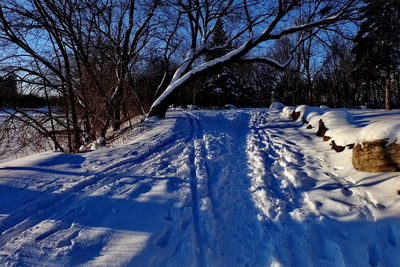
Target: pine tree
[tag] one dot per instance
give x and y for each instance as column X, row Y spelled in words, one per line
column 378, row 43
column 219, row 39
column 223, row 84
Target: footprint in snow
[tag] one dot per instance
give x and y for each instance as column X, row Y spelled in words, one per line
column 374, row 257
column 164, row 239
column 392, row 240
column 346, row 191
column 142, row 189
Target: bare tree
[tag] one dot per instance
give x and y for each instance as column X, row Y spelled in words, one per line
column 257, row 23
column 83, row 51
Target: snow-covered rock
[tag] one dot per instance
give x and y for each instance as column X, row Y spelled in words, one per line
column 299, row 112
column 94, row 146
column 83, row 148
column 325, row 108
column 98, row 144
column 230, row 106
column 376, row 156
column 287, row 112
column 343, row 135
column 192, row 107
column 388, row 130
column 276, row 106
column 340, row 127
column 310, row 112
column 313, row 119
column 337, row 118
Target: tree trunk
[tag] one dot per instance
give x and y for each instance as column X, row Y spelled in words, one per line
column 161, row 109
column 388, row 100
column 75, row 127
column 116, row 112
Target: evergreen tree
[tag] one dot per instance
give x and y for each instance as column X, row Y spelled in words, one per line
column 378, row 43
column 223, row 85
column 219, row 39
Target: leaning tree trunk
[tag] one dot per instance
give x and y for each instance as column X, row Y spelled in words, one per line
column 161, row 108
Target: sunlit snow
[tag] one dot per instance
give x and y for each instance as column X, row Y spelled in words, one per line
column 237, row 187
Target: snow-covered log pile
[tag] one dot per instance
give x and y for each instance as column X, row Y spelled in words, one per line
column 376, row 147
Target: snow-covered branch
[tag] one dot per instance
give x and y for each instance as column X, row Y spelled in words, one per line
column 266, row 60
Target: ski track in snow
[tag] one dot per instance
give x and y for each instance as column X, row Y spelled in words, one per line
column 210, row 188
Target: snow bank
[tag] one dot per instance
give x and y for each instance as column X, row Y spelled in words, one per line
column 277, row 106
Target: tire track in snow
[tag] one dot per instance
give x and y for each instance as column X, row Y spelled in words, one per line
column 230, row 232
column 199, row 250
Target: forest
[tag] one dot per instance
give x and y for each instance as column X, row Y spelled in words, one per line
column 92, row 65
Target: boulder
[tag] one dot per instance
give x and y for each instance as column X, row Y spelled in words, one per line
column 336, row 147
column 321, row 129
column 287, row 113
column 376, row 156
column 277, row 106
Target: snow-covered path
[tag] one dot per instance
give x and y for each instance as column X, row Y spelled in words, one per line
column 200, row 188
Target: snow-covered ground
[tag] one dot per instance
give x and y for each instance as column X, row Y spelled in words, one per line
column 202, row 188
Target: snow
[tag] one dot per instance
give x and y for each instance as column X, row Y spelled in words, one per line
column 344, row 130
column 337, row 118
column 306, row 112
column 310, row 112
column 385, row 129
column 237, row 187
column 83, row 148
column 287, row 111
column 313, row 119
column 230, row 106
column 301, row 109
column 325, row 108
column 277, row 106
column 344, row 135
column 340, row 126
column 192, row 107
